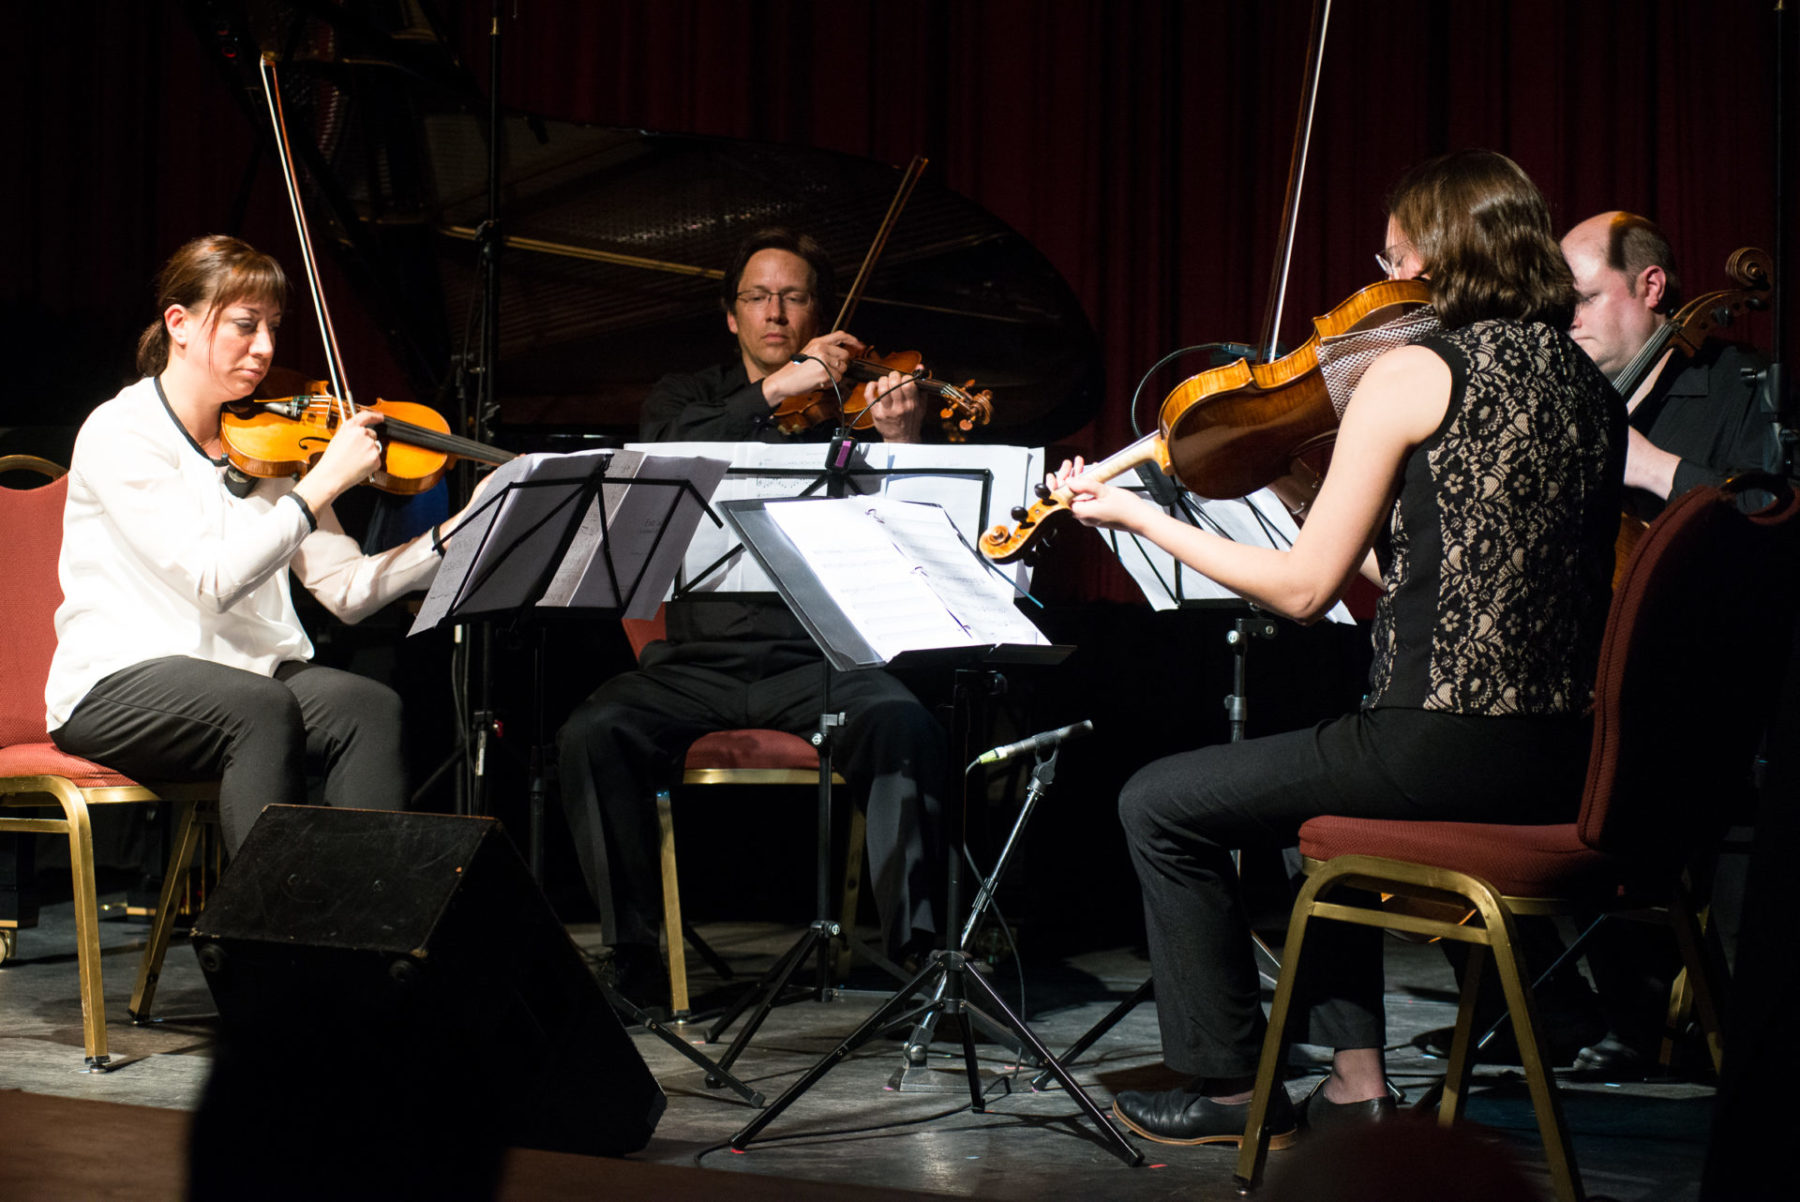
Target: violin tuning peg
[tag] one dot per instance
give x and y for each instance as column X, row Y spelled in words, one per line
column 1042, row 490
column 1020, row 514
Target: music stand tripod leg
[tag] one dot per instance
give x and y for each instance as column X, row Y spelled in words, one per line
column 716, row 1075
column 818, row 937
column 1099, row 1029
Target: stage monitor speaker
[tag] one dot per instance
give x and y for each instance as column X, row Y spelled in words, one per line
column 397, row 983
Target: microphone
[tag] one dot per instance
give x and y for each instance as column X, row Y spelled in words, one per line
column 1038, row 742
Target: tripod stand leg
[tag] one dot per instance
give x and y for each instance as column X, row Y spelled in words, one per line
column 715, row 1075
column 1095, row 1032
column 878, row 1021
column 1113, row 1139
column 817, row 939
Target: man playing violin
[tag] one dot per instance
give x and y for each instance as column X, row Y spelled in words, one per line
column 1694, row 422
column 732, row 663
column 179, row 655
column 777, row 297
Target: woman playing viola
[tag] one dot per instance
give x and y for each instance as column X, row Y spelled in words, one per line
column 179, row 654
column 1481, row 467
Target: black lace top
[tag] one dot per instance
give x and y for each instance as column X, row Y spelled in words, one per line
column 1496, row 562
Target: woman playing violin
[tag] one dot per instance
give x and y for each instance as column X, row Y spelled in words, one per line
column 179, row 654
column 1481, row 467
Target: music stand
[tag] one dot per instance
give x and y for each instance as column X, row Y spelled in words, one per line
column 927, row 572
column 596, row 533
column 965, row 481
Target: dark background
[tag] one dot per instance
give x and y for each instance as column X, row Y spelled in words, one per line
column 1142, row 147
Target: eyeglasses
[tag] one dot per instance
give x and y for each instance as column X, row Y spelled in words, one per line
column 1390, row 257
column 793, row 298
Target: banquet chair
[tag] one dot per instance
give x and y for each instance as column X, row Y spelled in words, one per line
column 733, row 757
column 1689, row 672
column 35, row 775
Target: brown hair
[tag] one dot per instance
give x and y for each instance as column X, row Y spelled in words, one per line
column 777, row 238
column 1634, row 243
column 1483, row 234
column 209, row 273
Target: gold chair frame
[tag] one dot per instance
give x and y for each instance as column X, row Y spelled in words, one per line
column 1489, row 931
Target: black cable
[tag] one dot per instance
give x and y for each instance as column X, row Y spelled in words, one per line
column 1236, row 350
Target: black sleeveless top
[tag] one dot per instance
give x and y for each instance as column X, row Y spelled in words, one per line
column 1497, row 559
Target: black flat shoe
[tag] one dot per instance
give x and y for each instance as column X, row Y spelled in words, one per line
column 1180, row 1117
column 1317, row 1112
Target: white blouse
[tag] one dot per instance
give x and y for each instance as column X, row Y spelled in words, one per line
column 159, row 559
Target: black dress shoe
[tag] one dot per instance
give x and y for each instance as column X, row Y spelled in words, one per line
column 1613, row 1059
column 1317, row 1112
column 1180, row 1117
column 1503, row 1048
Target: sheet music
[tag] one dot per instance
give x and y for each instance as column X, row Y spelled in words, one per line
column 641, row 529
column 468, row 540
column 1012, row 470
column 1258, row 520
column 495, row 561
column 903, row 574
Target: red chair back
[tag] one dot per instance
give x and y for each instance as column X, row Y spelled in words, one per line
column 641, row 632
column 1699, row 632
column 31, row 531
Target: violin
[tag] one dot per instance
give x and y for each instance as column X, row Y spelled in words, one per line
column 1751, row 270
column 1230, row 430
column 961, row 410
column 284, row 436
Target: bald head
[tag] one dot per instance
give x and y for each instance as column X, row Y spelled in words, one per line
column 1625, row 282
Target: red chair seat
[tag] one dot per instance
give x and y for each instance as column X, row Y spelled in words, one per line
column 732, row 749
column 1519, row 861
column 46, row 759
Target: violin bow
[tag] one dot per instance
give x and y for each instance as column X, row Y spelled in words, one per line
column 908, row 181
column 334, row 363
column 1309, row 93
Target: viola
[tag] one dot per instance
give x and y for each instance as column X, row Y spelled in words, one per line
column 284, row 436
column 961, row 409
column 1230, row 430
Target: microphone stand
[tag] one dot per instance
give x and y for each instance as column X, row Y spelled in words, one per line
column 951, row 971
column 1043, row 775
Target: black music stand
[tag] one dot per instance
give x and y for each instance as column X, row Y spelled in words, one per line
column 598, row 534
column 846, row 472
column 848, row 646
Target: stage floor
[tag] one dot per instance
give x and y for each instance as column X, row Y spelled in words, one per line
column 1636, row 1142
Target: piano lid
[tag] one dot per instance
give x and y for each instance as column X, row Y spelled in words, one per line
column 616, row 239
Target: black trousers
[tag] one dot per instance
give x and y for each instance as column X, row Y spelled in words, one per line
column 179, row 718
column 628, row 740
column 1183, row 815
